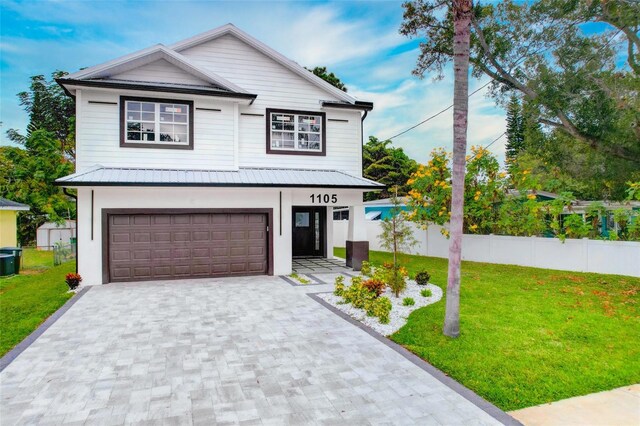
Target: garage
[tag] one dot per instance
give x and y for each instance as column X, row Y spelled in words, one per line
column 159, row 245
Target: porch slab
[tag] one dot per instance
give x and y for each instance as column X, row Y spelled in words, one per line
column 320, row 265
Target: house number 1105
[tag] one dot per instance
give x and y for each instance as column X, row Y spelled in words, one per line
column 324, row 198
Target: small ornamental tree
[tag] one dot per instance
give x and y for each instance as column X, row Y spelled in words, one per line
column 396, row 235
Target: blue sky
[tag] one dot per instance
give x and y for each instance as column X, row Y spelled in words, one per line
column 359, row 41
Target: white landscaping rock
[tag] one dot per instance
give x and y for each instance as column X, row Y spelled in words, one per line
column 399, row 313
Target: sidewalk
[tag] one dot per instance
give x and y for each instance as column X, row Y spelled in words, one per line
column 618, row 407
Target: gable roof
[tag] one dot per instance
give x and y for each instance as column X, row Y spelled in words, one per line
column 102, row 74
column 266, row 50
column 12, row 205
column 104, row 71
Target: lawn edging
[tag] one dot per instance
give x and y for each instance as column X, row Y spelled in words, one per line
column 27, row 341
column 460, row 389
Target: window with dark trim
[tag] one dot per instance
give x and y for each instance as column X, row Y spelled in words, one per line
column 296, row 132
column 156, row 123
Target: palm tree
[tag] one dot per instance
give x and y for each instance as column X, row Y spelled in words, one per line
column 462, row 10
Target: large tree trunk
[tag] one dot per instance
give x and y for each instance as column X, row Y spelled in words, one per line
column 461, row 40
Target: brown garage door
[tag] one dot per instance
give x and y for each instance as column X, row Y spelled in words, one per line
column 168, row 246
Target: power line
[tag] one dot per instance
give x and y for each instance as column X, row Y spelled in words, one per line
column 489, row 82
column 495, row 140
column 438, row 113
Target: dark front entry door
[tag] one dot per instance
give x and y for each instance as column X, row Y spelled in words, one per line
column 309, row 231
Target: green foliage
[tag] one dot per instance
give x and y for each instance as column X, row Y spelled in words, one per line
column 426, row 292
column 573, row 80
column 408, row 301
column 515, row 130
column 386, row 164
column 485, row 189
column 633, row 191
column 397, row 281
column 50, row 109
column 423, row 277
column 365, row 269
column 301, row 280
column 329, row 77
column 563, row 333
column 27, row 176
column 379, row 307
column 358, row 295
column 26, row 300
column 375, row 286
column 339, row 285
column 47, row 153
column 396, row 234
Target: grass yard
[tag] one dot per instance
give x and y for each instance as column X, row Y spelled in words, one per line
column 529, row 336
column 26, row 300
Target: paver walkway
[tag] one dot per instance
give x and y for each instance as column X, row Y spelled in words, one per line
column 620, row 407
column 225, row 351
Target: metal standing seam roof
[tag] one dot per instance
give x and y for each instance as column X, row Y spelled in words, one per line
column 12, row 205
column 247, row 177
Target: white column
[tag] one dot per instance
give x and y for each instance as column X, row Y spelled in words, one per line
column 357, row 227
column 329, row 232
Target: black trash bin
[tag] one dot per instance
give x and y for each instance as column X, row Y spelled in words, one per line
column 7, row 264
column 15, row 252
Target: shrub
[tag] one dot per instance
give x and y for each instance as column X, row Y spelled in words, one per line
column 423, row 277
column 300, row 279
column 357, row 294
column 426, row 292
column 339, row 285
column 380, row 307
column 397, row 282
column 73, row 280
column 375, row 285
column 408, row 301
column 365, row 269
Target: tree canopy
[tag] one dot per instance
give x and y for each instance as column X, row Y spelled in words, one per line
column 329, row 77
column 572, row 80
column 386, row 164
column 46, row 152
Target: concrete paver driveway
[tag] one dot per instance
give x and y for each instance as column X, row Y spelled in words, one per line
column 225, row 351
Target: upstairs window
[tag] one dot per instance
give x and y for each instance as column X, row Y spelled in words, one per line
column 295, row 132
column 156, row 123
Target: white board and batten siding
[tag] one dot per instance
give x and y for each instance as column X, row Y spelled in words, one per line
column 215, row 138
column 278, row 87
column 98, row 135
column 160, row 70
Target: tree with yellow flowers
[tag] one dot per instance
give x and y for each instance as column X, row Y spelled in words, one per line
column 485, row 190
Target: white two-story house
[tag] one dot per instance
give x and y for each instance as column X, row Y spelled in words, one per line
column 215, row 156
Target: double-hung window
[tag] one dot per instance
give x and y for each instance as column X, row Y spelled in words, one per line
column 295, row 132
column 156, row 123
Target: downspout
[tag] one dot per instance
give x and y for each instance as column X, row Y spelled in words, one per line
column 362, row 143
column 66, row 192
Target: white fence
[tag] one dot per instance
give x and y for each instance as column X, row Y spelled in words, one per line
column 584, row 255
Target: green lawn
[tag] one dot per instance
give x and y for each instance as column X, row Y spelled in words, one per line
column 26, row 300
column 529, row 336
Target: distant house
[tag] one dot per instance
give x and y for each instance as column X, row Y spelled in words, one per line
column 581, row 207
column 50, row 233
column 373, row 210
column 8, row 225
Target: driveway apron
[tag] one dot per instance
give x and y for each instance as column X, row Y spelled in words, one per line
column 251, row 350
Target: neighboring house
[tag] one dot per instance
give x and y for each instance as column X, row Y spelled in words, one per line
column 581, row 207
column 50, row 233
column 215, row 156
column 374, row 210
column 8, row 222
